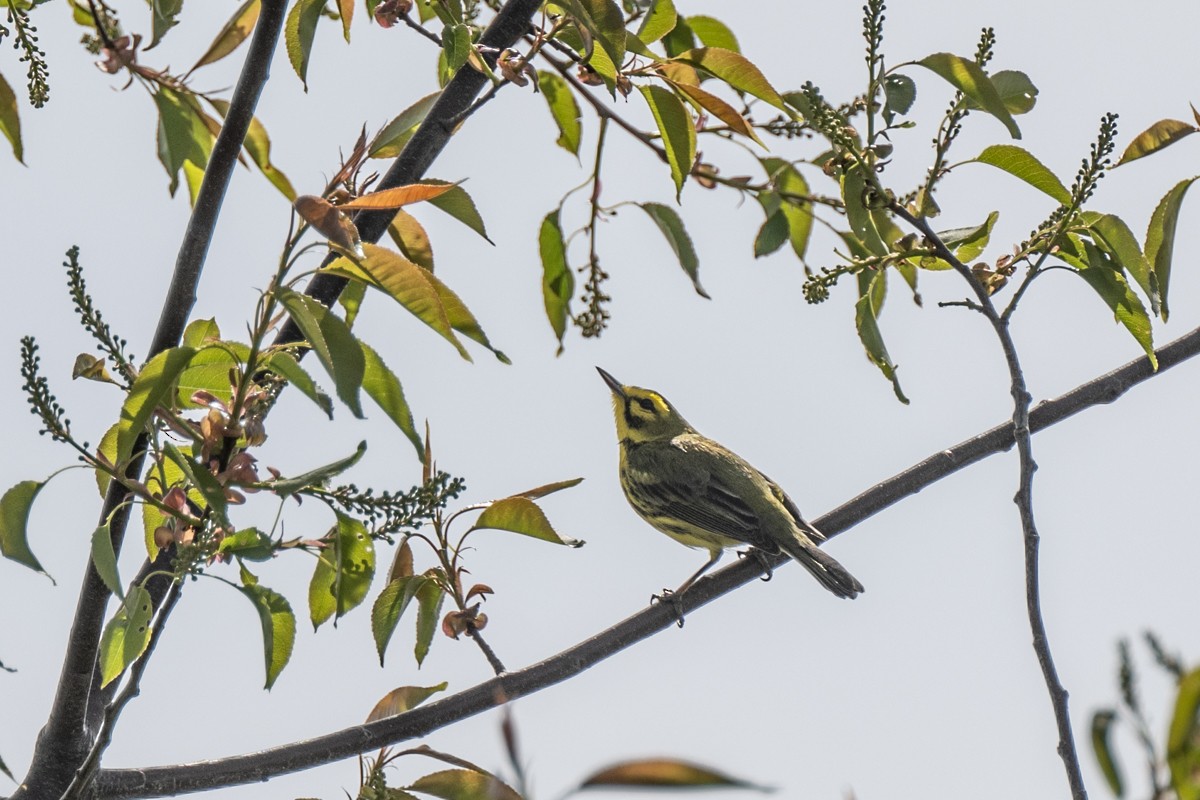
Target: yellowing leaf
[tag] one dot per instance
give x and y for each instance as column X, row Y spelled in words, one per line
column 14, row 522
column 736, row 70
column 235, row 31
column 463, row 784
column 382, row 386
column 663, row 772
column 334, row 344
column 719, row 109
column 126, row 635
column 298, row 30
column 521, row 515
column 564, row 109
column 344, row 572
column 1163, row 133
column 397, row 701
column 10, row 120
column 391, row 140
column 677, row 129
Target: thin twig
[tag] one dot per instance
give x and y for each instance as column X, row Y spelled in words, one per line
column 118, row 784
column 488, row 653
column 1024, row 500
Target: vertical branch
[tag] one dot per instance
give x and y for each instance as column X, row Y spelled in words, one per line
column 70, row 729
column 1023, row 499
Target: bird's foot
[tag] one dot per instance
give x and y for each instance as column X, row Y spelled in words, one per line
column 672, row 597
column 763, row 561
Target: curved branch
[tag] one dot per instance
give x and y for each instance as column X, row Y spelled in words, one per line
column 117, row 784
column 68, row 734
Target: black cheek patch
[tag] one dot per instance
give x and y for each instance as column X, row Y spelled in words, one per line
column 631, row 420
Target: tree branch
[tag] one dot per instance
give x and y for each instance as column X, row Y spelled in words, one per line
column 117, row 784
column 70, row 729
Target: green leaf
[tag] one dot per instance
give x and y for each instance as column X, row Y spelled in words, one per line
column 1102, row 746
column 210, row 490
column 200, row 332
column 899, row 93
column 14, row 524
column 1104, row 276
column 10, row 120
column 382, row 386
column 854, row 189
column 1161, row 134
column 549, row 488
column 456, row 44
column 344, row 572
column 1021, row 164
column 679, row 40
column 969, row 243
column 258, row 146
column 107, row 449
column 278, row 627
column 286, row 366
column 664, row 772
column 671, row 225
column 208, row 370
column 104, row 559
column 1115, row 238
column 429, row 610
column 1017, row 92
column 411, row 238
column 317, row 477
column 966, row 76
column 1183, row 743
column 788, row 180
column 713, row 33
column 334, row 345
column 564, row 109
column 458, row 204
column 236, row 30
column 298, row 31
column 604, row 20
column 391, row 140
column 1160, row 237
column 164, row 16
column 126, row 635
column 154, row 385
column 558, row 280
column 464, row 784
column 183, row 136
column 406, row 698
column 4, row 768
column 390, row 606
column 736, row 70
column 719, row 109
column 658, row 22
column 249, row 543
column 772, row 235
column 521, row 515
column 677, row 129
column 868, row 332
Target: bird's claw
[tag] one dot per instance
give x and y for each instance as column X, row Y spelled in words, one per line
column 762, row 560
column 672, row 597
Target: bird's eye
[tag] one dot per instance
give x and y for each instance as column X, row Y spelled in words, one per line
column 646, row 404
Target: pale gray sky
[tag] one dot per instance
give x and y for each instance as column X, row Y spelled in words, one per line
column 925, row 686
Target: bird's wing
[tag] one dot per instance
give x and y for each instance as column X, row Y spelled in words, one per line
column 684, row 485
column 794, row 510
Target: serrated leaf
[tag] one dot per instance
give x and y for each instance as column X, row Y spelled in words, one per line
column 250, row 544
column 872, row 339
column 317, row 477
column 1021, row 164
column 1161, row 134
column 334, row 345
column 126, row 635
column 558, row 279
column 286, row 366
column 183, row 135
column 736, row 70
column 390, row 606
column 10, row 120
column 382, row 386
column 521, row 515
column 258, row 146
column 299, row 29
column 397, row 701
column 1160, row 238
column 387, row 199
column 464, row 784
column 391, row 140
column 411, row 238
column 604, row 20
column 456, row 44
column 671, row 225
column 232, row 34
column 208, row 370
column 1183, row 752
column 1117, row 240
column 344, row 572
column 14, row 524
column 660, row 20
column 1102, row 746
column 564, row 109
column 164, row 16
column 713, row 33
column 719, row 109
column 677, row 129
column 664, row 772
column 278, row 627
column 458, row 204
column 154, row 385
column 104, row 559
column 200, row 332
column 967, row 76
column 429, row 609
column 1103, row 276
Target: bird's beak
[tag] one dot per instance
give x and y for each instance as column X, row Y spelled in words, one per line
column 613, row 383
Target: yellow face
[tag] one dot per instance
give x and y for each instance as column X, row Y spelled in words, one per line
column 642, row 415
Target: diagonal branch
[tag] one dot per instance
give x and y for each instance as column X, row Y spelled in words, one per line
column 118, row 784
column 68, row 734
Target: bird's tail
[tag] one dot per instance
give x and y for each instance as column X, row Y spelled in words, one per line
column 824, row 567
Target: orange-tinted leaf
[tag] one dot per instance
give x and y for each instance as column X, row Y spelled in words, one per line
column 330, row 222
column 398, row 196
column 411, row 239
column 664, row 772
column 719, row 109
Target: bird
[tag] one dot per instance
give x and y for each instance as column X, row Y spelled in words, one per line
column 704, row 495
